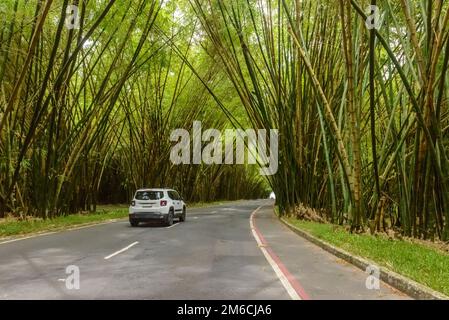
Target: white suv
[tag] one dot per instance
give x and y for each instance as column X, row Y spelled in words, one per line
column 156, row 205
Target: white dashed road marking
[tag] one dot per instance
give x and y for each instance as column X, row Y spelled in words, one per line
column 121, row 251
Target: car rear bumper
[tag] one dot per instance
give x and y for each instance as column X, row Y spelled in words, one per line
column 147, row 216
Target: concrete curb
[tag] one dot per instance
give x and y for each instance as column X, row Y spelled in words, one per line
column 403, row 284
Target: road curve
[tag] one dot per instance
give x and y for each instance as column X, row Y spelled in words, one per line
column 219, row 253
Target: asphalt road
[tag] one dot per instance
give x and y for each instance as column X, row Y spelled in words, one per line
column 221, row 252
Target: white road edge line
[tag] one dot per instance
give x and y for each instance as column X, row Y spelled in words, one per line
column 121, row 251
column 288, row 287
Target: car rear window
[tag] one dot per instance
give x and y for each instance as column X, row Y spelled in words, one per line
column 149, row 195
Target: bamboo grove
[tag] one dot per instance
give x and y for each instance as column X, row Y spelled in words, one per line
column 85, row 111
column 362, row 112
column 362, row 109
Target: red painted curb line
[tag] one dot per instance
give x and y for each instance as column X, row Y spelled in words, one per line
column 291, row 279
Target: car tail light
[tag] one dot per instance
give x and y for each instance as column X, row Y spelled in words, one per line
column 163, row 203
column 133, row 203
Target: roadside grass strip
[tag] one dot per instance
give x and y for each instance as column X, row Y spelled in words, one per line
column 421, row 263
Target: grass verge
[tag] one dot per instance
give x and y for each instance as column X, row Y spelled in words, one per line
column 10, row 227
column 423, row 264
column 208, row 204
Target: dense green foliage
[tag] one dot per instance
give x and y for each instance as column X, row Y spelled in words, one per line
column 362, row 112
column 85, row 114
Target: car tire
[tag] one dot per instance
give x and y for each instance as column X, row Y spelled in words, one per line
column 134, row 223
column 182, row 218
column 170, row 217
